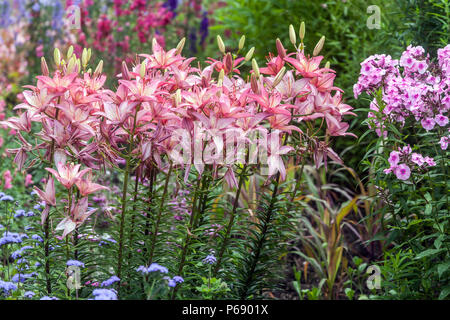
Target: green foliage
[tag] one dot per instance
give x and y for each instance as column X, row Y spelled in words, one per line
column 415, row 213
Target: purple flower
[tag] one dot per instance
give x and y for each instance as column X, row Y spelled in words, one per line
column 153, row 268
column 210, row 259
column 105, row 294
column 428, row 123
column 394, row 158
column 110, row 281
column 75, row 263
column 48, row 298
column 7, row 286
column 402, row 172
column 6, row 198
column 29, row 294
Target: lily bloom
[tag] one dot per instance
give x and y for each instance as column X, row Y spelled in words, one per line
column 307, row 67
column 274, row 65
column 86, row 186
column 49, row 194
column 78, row 215
column 68, row 174
column 58, row 85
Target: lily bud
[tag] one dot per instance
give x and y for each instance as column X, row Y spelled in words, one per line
column 279, row 77
column 254, row 84
column 221, row 76
column 241, row 42
column 221, row 44
column 125, row 72
column 154, row 44
column 89, row 54
column 84, row 58
column 44, row 67
column 69, row 52
column 249, row 54
column 71, row 64
column 255, row 68
column 180, row 45
column 302, row 31
column 319, row 46
column 280, row 49
column 327, row 65
column 177, row 97
column 77, row 68
column 229, row 62
column 99, row 69
column 143, row 69
column 57, row 56
column 292, row 35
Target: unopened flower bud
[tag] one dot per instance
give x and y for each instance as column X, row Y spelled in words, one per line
column 180, row 46
column 57, row 56
column 89, row 54
column 71, row 64
column 241, row 42
column 125, row 72
column 292, row 35
column 280, row 49
column 255, row 68
column 44, row 67
column 254, row 84
column 327, row 65
column 302, row 31
column 154, row 44
column 319, row 46
column 84, row 58
column 249, row 54
column 221, row 76
column 143, row 68
column 99, row 69
column 77, row 67
column 229, row 62
column 70, row 52
column 221, row 44
column 279, row 77
column 178, row 97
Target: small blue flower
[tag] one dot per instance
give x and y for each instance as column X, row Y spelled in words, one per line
column 105, row 294
column 153, row 268
column 172, row 283
column 19, row 213
column 6, row 198
column 178, row 279
column 37, row 238
column 210, row 259
column 110, row 281
column 75, row 263
column 29, row 294
column 48, row 298
column 7, row 286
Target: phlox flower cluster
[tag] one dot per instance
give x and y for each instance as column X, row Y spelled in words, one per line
column 413, row 88
column 404, row 159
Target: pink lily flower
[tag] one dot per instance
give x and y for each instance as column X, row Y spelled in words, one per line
column 78, row 215
column 68, row 174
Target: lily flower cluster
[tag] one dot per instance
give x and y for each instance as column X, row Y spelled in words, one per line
column 164, row 99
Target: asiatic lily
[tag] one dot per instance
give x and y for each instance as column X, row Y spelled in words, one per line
column 68, row 174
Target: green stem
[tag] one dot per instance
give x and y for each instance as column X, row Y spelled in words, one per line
column 124, row 198
column 188, row 236
column 262, row 238
column 158, row 219
column 232, row 218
